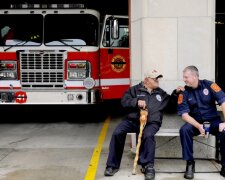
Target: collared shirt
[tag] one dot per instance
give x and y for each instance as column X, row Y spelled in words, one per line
column 200, row 102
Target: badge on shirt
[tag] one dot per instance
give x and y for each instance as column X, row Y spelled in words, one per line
column 158, row 97
column 215, row 87
column 180, row 99
column 205, row 91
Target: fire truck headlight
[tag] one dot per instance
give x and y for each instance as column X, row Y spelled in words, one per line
column 78, row 69
column 8, row 70
column 89, row 83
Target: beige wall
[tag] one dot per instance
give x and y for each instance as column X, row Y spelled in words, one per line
column 168, row 35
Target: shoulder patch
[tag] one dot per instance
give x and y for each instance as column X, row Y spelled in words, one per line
column 215, row 87
column 180, row 99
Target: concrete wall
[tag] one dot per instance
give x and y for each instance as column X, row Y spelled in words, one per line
column 168, row 35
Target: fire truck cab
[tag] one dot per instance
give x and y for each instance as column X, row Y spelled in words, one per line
column 62, row 54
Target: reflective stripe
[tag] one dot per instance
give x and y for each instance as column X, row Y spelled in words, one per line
column 113, row 82
column 74, row 83
column 104, row 82
column 79, row 83
column 6, row 83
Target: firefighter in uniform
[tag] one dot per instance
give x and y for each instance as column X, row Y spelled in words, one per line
column 196, row 105
column 146, row 94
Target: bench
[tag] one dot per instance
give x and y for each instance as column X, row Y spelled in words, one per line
column 161, row 132
column 169, row 135
column 203, row 147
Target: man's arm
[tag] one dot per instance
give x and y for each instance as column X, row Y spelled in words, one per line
column 171, row 106
column 222, row 125
column 219, row 96
column 128, row 100
column 187, row 118
column 223, row 109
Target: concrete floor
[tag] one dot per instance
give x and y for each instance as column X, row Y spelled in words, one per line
column 62, row 151
column 46, row 151
column 166, row 169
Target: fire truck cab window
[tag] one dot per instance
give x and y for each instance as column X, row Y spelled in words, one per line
column 21, row 30
column 71, row 30
column 123, row 39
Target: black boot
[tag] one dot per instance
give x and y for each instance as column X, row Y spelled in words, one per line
column 222, row 172
column 190, row 169
column 149, row 173
column 110, row 171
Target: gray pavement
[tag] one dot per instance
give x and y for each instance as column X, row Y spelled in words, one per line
column 62, row 151
column 166, row 169
column 48, row 151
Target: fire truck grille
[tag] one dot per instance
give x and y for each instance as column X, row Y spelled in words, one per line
column 42, row 70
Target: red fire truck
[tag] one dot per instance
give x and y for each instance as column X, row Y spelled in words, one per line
column 62, row 54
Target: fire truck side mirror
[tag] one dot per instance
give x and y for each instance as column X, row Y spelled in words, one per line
column 114, row 29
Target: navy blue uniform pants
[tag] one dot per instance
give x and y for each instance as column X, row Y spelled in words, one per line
column 187, row 132
column 147, row 149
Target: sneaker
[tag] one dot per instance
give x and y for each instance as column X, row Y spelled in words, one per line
column 110, row 171
column 149, row 173
column 222, row 172
column 190, row 169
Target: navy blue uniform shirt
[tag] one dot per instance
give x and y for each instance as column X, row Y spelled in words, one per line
column 157, row 101
column 200, row 103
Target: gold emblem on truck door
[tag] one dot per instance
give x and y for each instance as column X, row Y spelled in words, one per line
column 118, row 63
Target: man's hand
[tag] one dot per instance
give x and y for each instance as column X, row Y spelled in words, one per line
column 221, row 127
column 141, row 104
column 201, row 130
column 179, row 89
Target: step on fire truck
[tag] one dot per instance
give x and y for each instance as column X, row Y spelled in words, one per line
column 62, row 54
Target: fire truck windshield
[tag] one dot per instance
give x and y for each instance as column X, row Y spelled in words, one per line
column 70, row 30
column 59, row 30
column 21, row 29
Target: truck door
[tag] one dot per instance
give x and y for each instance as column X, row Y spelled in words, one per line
column 114, row 57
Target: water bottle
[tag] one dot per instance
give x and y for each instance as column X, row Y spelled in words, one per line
column 206, row 126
